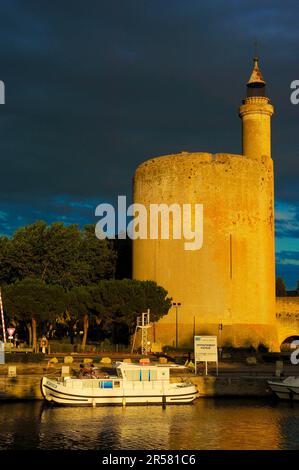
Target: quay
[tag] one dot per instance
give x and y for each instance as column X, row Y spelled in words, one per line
column 234, row 380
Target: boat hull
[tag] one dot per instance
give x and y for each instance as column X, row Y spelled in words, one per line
column 58, row 393
column 284, row 391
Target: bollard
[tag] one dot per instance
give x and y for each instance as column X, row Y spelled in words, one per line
column 12, row 371
column 65, row 371
column 279, row 368
column 87, row 360
column 106, row 360
column 68, row 359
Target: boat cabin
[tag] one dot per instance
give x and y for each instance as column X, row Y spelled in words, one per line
column 140, row 373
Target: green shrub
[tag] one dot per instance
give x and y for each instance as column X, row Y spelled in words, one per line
column 262, row 348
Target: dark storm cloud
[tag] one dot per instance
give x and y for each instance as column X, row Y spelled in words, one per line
column 20, row 213
column 287, row 264
column 287, row 221
column 288, row 257
column 94, row 88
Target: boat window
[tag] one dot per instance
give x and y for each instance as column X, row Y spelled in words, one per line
column 152, row 375
column 144, row 375
column 106, row 384
column 116, row 384
column 77, row 383
column 87, row 383
column 132, row 374
column 141, row 375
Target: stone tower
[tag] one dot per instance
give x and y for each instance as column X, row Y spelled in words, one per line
column 256, row 112
column 231, row 279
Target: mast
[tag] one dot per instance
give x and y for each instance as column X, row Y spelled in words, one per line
column 2, row 318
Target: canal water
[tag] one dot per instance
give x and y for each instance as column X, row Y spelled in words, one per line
column 207, row 424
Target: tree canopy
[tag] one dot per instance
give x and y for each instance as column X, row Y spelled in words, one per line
column 280, row 287
column 57, row 273
column 33, row 301
column 113, row 305
column 56, row 254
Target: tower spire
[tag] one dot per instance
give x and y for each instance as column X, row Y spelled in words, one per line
column 256, row 75
column 255, row 112
column 256, row 85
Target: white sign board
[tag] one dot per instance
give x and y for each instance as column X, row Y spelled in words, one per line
column 205, row 350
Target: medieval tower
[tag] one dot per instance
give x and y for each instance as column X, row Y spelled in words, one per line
column 230, row 281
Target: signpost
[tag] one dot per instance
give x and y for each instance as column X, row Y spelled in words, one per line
column 220, row 328
column 205, row 350
column 10, row 332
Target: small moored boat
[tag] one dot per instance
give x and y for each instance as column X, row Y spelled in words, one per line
column 288, row 389
column 133, row 384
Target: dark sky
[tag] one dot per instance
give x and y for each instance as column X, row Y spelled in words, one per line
column 93, row 88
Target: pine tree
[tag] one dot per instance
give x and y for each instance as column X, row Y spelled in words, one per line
column 280, row 287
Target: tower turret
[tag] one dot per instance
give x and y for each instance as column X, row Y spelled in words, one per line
column 256, row 112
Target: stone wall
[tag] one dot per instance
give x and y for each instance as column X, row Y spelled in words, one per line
column 287, row 317
column 230, row 280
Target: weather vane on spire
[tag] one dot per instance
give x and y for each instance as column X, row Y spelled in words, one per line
column 255, row 48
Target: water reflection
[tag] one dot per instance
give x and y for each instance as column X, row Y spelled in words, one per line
column 207, row 424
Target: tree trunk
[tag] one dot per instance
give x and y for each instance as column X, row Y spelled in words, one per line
column 34, row 339
column 71, row 331
column 85, row 330
column 29, row 334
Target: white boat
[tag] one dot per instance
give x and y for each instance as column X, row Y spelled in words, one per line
column 133, row 384
column 288, row 389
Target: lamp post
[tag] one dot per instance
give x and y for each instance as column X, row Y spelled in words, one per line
column 220, row 328
column 176, row 305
